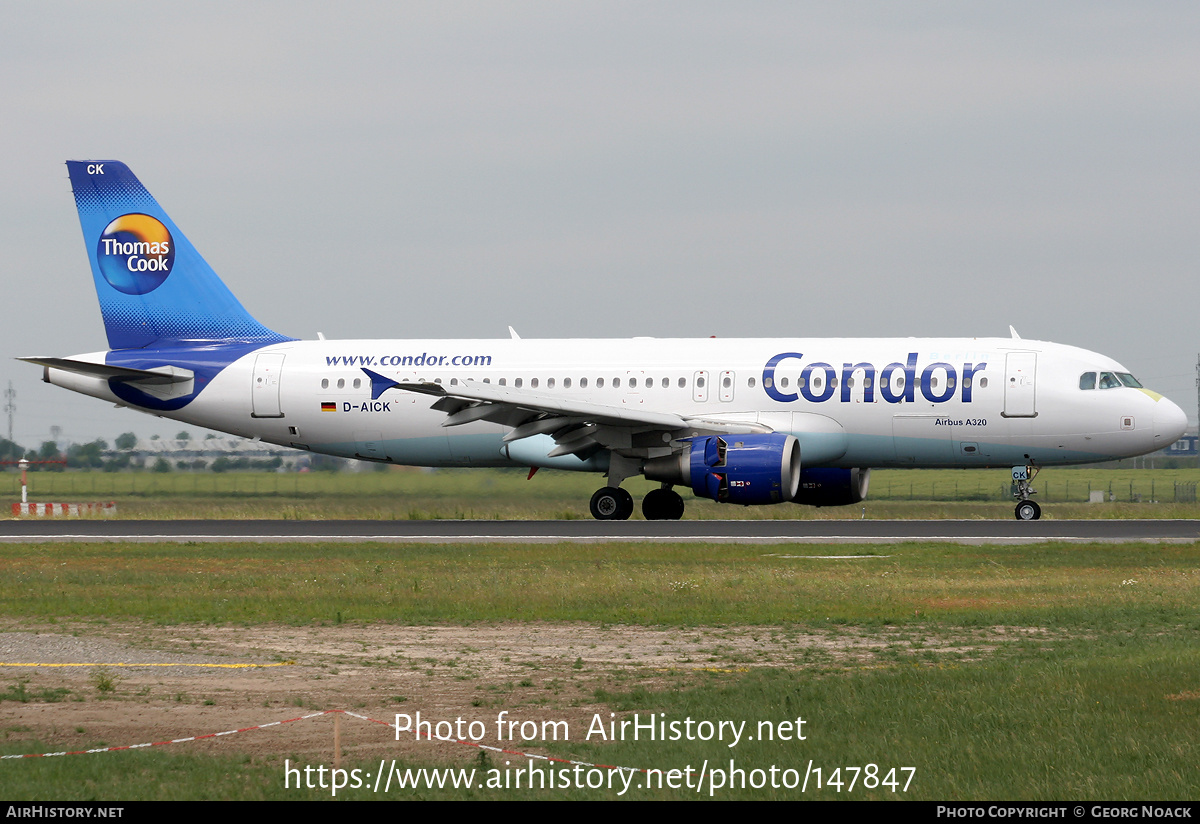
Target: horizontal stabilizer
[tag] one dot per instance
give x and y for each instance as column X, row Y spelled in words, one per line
column 160, row 376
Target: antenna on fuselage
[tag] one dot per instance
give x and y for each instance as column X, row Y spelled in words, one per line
column 1013, row 332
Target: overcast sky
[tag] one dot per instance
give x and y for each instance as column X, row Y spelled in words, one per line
column 612, row 169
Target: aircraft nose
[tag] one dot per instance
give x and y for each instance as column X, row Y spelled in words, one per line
column 1169, row 423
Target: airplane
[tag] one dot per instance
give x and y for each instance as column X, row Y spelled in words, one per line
column 740, row 421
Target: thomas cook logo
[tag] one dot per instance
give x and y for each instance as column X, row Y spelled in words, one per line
column 135, row 253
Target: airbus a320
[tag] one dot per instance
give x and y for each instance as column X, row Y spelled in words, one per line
column 740, row 421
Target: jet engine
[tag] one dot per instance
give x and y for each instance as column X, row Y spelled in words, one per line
column 735, row 469
column 832, row 487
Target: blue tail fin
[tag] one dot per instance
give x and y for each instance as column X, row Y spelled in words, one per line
column 154, row 287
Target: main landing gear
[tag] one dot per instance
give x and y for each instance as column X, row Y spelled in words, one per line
column 615, row 504
column 662, row 505
column 611, row 504
column 1023, row 476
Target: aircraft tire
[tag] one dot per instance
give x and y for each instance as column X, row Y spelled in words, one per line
column 675, row 511
column 611, row 504
column 1028, row 511
column 662, row 505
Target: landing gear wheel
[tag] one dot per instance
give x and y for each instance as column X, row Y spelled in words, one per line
column 611, row 504
column 1028, row 511
column 662, row 505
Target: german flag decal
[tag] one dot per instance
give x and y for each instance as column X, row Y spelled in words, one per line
column 327, row 406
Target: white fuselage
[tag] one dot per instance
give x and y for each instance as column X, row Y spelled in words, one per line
column 887, row 402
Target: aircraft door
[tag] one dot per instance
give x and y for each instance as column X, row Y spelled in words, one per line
column 1020, row 372
column 264, row 392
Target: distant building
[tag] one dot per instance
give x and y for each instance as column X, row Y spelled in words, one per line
column 1185, row 447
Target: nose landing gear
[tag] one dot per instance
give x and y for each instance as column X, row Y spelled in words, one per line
column 1023, row 476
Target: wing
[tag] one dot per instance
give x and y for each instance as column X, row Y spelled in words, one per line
column 578, row 427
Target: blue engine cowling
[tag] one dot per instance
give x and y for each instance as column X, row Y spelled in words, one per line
column 832, row 487
column 736, row 469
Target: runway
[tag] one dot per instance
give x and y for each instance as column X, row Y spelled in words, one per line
column 527, row 532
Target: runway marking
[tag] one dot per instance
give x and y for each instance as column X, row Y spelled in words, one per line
column 855, row 531
column 601, row 539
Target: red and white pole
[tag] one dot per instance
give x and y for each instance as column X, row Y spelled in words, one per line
column 24, row 464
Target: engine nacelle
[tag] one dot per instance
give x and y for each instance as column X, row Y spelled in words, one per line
column 832, row 487
column 735, row 469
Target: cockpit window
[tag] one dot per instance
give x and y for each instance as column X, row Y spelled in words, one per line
column 1108, row 380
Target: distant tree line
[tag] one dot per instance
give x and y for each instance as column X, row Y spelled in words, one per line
column 96, row 455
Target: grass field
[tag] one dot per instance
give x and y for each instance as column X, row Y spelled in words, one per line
column 499, row 494
column 1046, row 671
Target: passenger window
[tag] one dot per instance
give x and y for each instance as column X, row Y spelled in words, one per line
column 341, row 383
column 324, row 383
column 517, row 383
column 783, row 382
column 750, row 383
column 666, row 383
column 583, row 383
column 599, row 383
column 502, row 381
column 983, row 383
column 533, row 382
column 550, row 383
column 1087, row 380
column 682, row 383
column 357, row 383
column 616, row 383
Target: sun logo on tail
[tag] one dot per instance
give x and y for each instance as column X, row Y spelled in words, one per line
column 135, row 253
